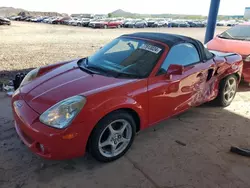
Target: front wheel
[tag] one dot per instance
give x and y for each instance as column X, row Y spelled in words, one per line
column 112, row 136
column 227, row 91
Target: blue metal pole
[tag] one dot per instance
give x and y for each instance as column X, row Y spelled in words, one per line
column 212, row 17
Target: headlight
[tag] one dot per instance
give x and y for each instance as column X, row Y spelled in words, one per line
column 247, row 59
column 62, row 114
column 30, row 76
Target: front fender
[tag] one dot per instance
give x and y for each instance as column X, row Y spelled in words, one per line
column 113, row 104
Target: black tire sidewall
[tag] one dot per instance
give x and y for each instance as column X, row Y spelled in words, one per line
column 101, row 125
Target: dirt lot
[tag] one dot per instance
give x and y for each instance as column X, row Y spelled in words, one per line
column 155, row 159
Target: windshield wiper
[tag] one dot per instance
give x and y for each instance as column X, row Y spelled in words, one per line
column 223, row 37
column 84, row 68
column 127, row 75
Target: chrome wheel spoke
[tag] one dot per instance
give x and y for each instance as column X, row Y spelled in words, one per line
column 231, row 94
column 111, row 129
column 125, row 140
column 105, row 143
column 123, row 127
column 113, row 148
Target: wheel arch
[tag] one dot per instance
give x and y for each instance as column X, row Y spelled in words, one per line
column 130, row 111
column 238, row 76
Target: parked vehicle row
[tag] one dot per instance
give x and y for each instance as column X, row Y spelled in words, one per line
column 112, row 22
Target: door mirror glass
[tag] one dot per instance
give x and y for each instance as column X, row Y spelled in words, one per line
column 174, row 69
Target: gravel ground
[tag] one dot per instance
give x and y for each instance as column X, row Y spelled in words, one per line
column 26, row 45
column 156, row 159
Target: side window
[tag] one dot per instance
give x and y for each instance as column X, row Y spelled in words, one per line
column 181, row 54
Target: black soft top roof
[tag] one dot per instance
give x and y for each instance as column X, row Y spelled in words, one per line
column 173, row 39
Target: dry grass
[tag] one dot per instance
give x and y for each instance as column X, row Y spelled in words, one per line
column 26, row 45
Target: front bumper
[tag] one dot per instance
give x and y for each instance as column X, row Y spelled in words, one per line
column 45, row 141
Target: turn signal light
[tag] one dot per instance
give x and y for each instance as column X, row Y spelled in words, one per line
column 69, row 136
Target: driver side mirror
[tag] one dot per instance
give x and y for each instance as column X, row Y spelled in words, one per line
column 174, row 69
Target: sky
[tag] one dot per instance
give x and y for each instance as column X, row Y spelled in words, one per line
column 199, row 7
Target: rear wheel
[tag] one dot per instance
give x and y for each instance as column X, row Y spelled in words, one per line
column 227, row 91
column 112, row 136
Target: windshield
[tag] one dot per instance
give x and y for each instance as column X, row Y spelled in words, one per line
column 239, row 32
column 126, row 57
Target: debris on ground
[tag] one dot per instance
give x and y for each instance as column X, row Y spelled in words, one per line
column 9, row 89
column 240, row 151
column 180, row 142
column 12, row 85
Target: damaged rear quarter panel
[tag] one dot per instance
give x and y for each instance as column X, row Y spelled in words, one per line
column 208, row 89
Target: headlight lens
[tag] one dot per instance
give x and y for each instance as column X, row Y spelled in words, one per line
column 247, row 59
column 62, row 114
column 30, row 76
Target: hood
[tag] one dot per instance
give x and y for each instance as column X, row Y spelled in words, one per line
column 63, row 82
column 227, row 45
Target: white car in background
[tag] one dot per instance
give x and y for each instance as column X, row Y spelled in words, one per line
column 221, row 23
column 75, row 22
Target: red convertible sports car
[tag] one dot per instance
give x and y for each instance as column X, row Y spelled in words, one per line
column 98, row 103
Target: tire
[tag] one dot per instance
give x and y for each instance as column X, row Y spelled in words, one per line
column 224, row 99
column 78, row 24
column 102, row 135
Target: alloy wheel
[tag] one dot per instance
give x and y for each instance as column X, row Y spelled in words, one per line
column 115, row 138
column 230, row 89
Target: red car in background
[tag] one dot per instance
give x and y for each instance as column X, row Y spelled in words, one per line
column 60, row 20
column 107, row 23
column 235, row 39
column 98, row 103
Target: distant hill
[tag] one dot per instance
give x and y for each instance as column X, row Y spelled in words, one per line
column 9, row 11
column 121, row 13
